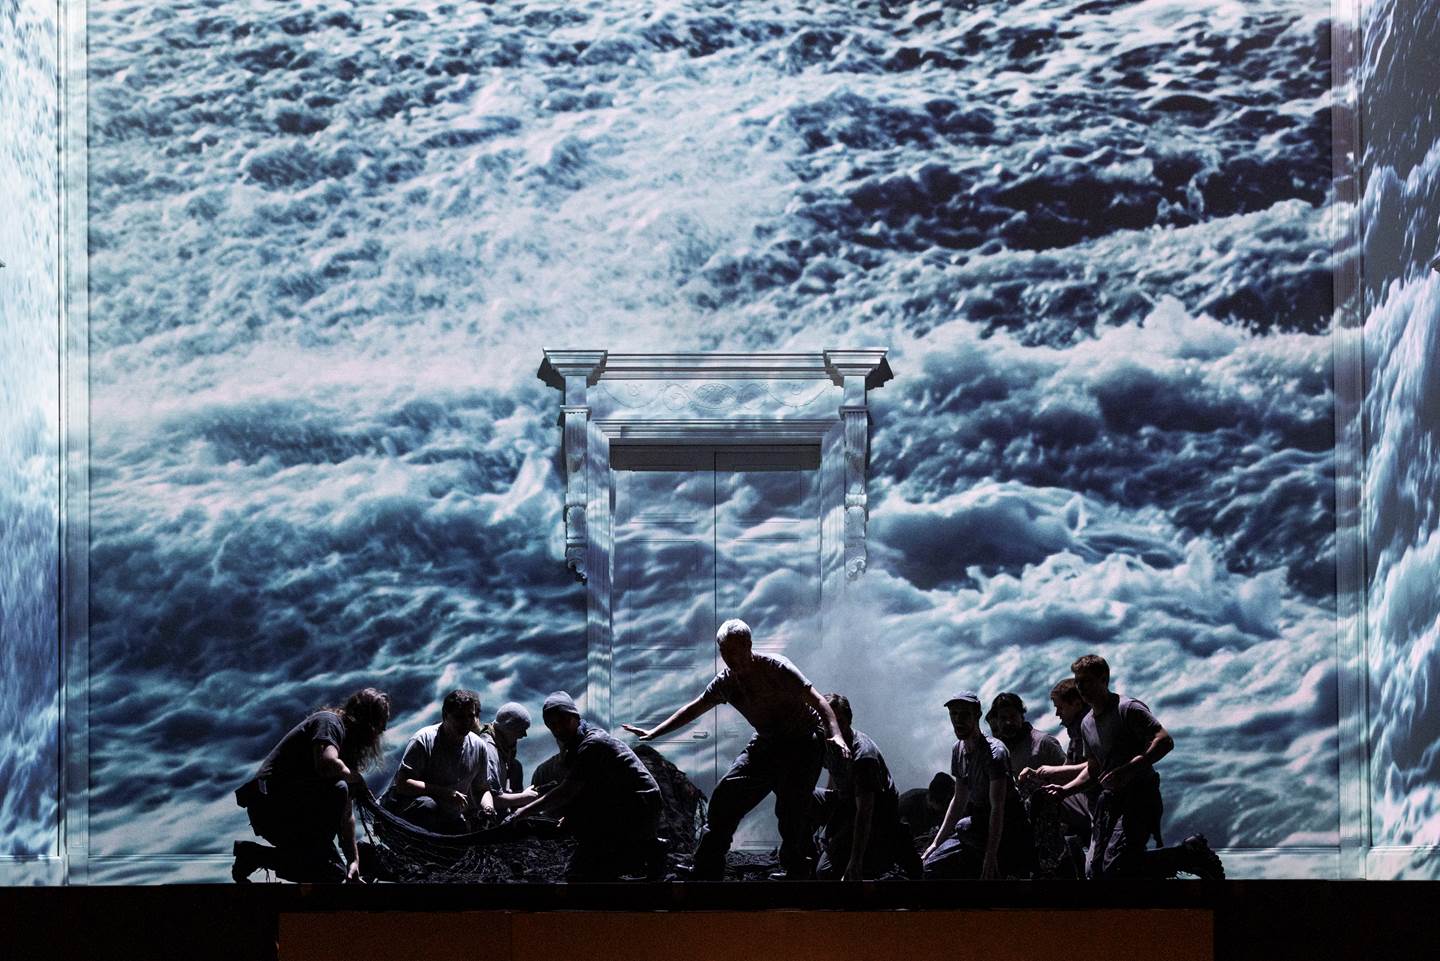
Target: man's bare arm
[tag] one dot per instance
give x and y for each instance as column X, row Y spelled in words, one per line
column 1051, row 773
column 557, row 796
column 679, row 719
column 832, row 726
column 864, row 817
column 991, row 865
column 958, row 800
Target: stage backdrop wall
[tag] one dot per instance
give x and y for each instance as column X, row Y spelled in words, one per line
column 327, row 247
column 1400, row 211
column 29, row 443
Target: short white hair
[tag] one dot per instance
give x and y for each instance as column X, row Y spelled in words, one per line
column 733, row 628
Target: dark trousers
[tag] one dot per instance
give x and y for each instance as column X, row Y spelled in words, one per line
column 787, row 766
column 889, row 845
column 962, row 855
column 1123, row 824
column 427, row 813
column 302, row 821
column 623, row 842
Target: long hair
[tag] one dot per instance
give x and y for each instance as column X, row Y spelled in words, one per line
column 366, row 714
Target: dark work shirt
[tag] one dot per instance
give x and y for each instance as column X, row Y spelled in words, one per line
column 865, row 772
column 916, row 810
column 976, row 773
column 1075, row 750
column 1119, row 733
column 1032, row 749
column 772, row 697
column 613, row 780
column 292, row 761
column 503, row 773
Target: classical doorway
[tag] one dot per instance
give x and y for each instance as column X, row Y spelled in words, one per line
column 701, row 487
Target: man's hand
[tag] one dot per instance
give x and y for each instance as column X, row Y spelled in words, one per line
column 838, row 745
column 1053, row 791
column 1122, row 775
column 453, row 800
column 1027, row 776
column 487, row 806
column 639, row 732
column 991, row 868
column 358, row 788
column 352, row 872
column 929, row 850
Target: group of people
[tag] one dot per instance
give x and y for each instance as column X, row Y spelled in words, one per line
column 1010, row 797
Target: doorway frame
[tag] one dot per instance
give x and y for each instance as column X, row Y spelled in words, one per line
column 715, row 400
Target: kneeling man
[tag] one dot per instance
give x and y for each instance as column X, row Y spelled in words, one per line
column 440, row 785
column 991, row 834
column 610, row 802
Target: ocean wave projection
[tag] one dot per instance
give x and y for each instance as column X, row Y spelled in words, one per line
column 321, row 458
column 1401, row 211
column 29, row 433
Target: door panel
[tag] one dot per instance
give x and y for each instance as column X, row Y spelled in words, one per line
column 701, row 535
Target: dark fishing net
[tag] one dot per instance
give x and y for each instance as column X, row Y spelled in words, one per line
column 536, row 849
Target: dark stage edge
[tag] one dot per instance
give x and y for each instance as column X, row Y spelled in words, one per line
column 1250, row 920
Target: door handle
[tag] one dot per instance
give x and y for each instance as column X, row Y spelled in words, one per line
column 699, row 735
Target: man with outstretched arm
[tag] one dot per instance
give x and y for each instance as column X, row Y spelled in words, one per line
column 1123, row 742
column 792, row 724
column 610, row 801
column 984, row 833
column 440, row 784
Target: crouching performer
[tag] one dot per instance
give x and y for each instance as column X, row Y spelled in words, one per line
column 610, row 802
column 300, row 799
column 441, row 783
column 1123, row 742
column 505, row 773
column 791, row 722
column 860, row 810
column 985, row 833
column 1074, row 809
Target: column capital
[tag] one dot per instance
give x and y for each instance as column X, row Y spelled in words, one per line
column 561, row 367
column 869, row 364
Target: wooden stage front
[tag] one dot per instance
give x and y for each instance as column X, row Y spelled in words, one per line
column 735, row 921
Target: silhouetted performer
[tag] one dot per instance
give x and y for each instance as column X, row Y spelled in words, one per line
column 923, row 807
column 1123, row 742
column 1029, row 747
column 1074, row 809
column 985, row 833
column 791, row 722
column 610, row 801
column 440, row 784
column 860, row 810
column 300, row 799
column 504, row 772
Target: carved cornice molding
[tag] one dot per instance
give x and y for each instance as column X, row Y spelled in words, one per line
column 698, row 366
column 714, row 395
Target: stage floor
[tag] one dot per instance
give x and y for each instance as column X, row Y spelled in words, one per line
column 749, row 921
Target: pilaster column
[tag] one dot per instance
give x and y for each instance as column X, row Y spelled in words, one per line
column 573, row 371
column 857, row 371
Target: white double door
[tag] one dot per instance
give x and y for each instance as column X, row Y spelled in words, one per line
column 702, row 534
